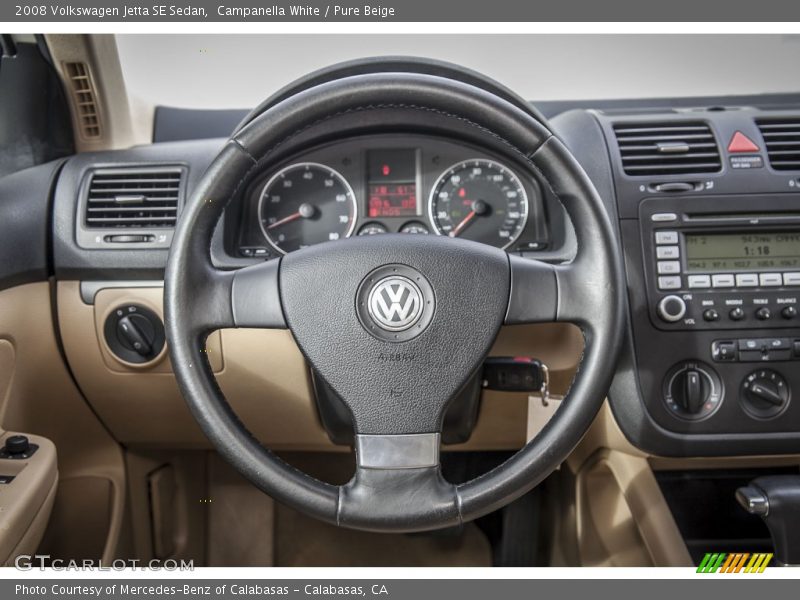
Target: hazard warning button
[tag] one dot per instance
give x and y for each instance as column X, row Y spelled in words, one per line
column 741, row 143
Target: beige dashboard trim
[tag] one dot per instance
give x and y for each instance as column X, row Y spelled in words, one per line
column 265, row 378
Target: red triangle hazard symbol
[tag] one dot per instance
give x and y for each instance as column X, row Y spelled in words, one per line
column 741, row 143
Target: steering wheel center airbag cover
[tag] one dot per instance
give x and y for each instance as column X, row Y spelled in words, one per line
column 462, row 289
column 395, row 303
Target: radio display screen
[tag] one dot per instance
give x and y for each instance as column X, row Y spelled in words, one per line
column 743, row 251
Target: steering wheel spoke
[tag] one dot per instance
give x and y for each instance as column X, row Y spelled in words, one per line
column 398, row 485
column 247, row 297
column 255, row 297
column 545, row 293
column 534, row 292
column 393, row 452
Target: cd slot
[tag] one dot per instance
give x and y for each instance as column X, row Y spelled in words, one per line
column 750, row 218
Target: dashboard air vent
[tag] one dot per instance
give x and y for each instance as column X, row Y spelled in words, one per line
column 782, row 139
column 84, row 99
column 667, row 148
column 126, row 198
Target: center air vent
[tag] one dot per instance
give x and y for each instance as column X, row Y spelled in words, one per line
column 672, row 148
column 133, row 198
column 782, row 139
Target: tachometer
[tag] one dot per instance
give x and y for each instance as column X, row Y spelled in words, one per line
column 304, row 204
column 480, row 200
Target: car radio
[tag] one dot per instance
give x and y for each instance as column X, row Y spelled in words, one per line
column 722, row 262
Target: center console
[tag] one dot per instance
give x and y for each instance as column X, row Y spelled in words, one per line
column 722, row 273
column 708, row 202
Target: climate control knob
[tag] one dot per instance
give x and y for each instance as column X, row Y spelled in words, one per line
column 764, row 394
column 671, row 308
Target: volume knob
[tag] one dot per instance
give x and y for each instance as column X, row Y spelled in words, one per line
column 671, row 308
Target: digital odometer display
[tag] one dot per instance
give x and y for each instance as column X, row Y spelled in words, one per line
column 743, row 251
column 392, row 183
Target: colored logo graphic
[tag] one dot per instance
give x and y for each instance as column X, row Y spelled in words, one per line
column 740, row 562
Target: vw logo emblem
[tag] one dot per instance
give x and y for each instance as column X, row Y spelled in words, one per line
column 395, row 303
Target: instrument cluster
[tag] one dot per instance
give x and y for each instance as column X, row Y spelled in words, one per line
column 412, row 185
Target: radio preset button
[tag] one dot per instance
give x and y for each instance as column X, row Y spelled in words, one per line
column 725, row 280
column 747, row 280
column 791, row 279
column 763, row 314
column 666, row 237
column 770, row 279
column 668, row 252
column 737, row 314
column 669, row 283
column 669, row 267
column 699, row 281
column 671, row 308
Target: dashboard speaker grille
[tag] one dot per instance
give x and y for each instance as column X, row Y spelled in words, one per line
column 667, row 148
column 782, row 140
column 84, row 99
column 128, row 198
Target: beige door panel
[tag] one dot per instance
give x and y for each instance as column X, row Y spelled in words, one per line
column 40, row 397
column 26, row 501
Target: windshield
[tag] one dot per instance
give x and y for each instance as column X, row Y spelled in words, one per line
column 239, row 71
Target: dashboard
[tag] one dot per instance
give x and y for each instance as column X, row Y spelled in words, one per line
column 704, row 196
column 415, row 185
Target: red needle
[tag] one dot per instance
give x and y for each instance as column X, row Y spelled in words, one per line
column 464, row 223
column 284, row 220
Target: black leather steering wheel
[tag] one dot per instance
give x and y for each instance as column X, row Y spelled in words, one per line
column 456, row 294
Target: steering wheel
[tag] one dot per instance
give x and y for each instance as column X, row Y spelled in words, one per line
column 395, row 324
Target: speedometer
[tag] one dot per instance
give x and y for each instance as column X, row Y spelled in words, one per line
column 304, row 204
column 479, row 200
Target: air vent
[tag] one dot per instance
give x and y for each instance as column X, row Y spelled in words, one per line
column 782, row 138
column 672, row 148
column 84, row 99
column 127, row 198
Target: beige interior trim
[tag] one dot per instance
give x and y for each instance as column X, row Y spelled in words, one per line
column 42, row 399
column 184, row 528
column 265, row 378
column 99, row 53
column 27, row 500
column 106, row 301
column 622, row 517
column 35, row 530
